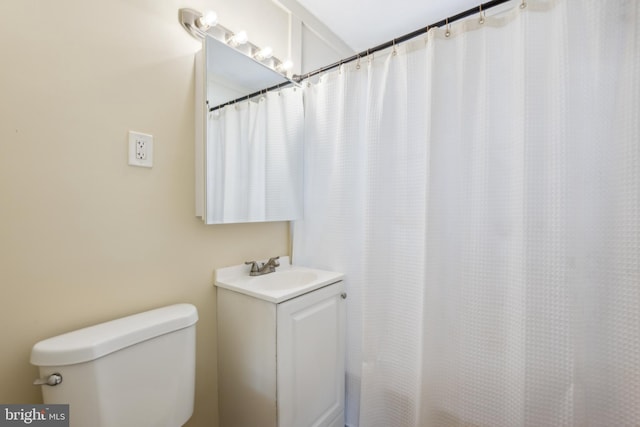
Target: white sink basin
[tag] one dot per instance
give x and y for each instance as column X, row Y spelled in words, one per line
column 282, row 280
column 288, row 281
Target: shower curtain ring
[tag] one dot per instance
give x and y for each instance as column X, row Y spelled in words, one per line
column 448, row 32
column 395, row 52
column 481, row 14
column 523, row 4
column 358, row 63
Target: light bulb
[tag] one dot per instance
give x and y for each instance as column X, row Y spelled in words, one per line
column 264, row 53
column 239, row 38
column 207, row 21
column 285, row 66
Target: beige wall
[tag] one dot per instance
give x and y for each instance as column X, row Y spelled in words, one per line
column 84, row 237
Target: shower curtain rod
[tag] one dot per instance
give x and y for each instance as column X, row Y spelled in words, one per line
column 479, row 9
column 298, row 78
column 252, row 95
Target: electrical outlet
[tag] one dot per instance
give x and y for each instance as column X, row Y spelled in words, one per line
column 140, row 149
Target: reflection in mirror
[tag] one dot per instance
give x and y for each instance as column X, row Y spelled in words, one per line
column 231, row 74
column 249, row 162
column 254, row 159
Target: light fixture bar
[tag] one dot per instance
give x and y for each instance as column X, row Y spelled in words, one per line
column 198, row 26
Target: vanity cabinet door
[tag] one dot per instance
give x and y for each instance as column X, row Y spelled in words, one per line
column 311, row 353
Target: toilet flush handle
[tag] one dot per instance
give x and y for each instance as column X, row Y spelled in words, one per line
column 53, row 379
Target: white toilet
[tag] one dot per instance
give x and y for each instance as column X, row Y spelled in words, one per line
column 137, row 371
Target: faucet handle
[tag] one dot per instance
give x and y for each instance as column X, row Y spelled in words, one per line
column 274, row 261
column 254, row 266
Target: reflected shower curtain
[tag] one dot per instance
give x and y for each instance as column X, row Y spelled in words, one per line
column 254, row 159
column 482, row 194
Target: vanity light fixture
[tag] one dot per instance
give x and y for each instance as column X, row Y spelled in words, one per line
column 199, row 26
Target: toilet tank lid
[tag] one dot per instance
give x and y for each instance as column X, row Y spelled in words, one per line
column 99, row 340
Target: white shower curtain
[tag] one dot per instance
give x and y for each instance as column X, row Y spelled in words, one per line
column 482, row 194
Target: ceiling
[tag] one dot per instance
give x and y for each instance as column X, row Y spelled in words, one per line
column 363, row 24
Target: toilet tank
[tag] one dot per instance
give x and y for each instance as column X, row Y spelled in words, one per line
column 136, row 371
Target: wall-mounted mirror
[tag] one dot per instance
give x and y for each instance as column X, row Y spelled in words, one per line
column 249, row 153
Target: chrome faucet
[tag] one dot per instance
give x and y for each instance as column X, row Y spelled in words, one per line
column 266, row 268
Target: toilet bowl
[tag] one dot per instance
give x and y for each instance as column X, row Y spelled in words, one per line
column 136, row 371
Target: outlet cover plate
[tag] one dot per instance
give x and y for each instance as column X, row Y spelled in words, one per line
column 140, row 149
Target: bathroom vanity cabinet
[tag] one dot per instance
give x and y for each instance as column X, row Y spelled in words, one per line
column 281, row 364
